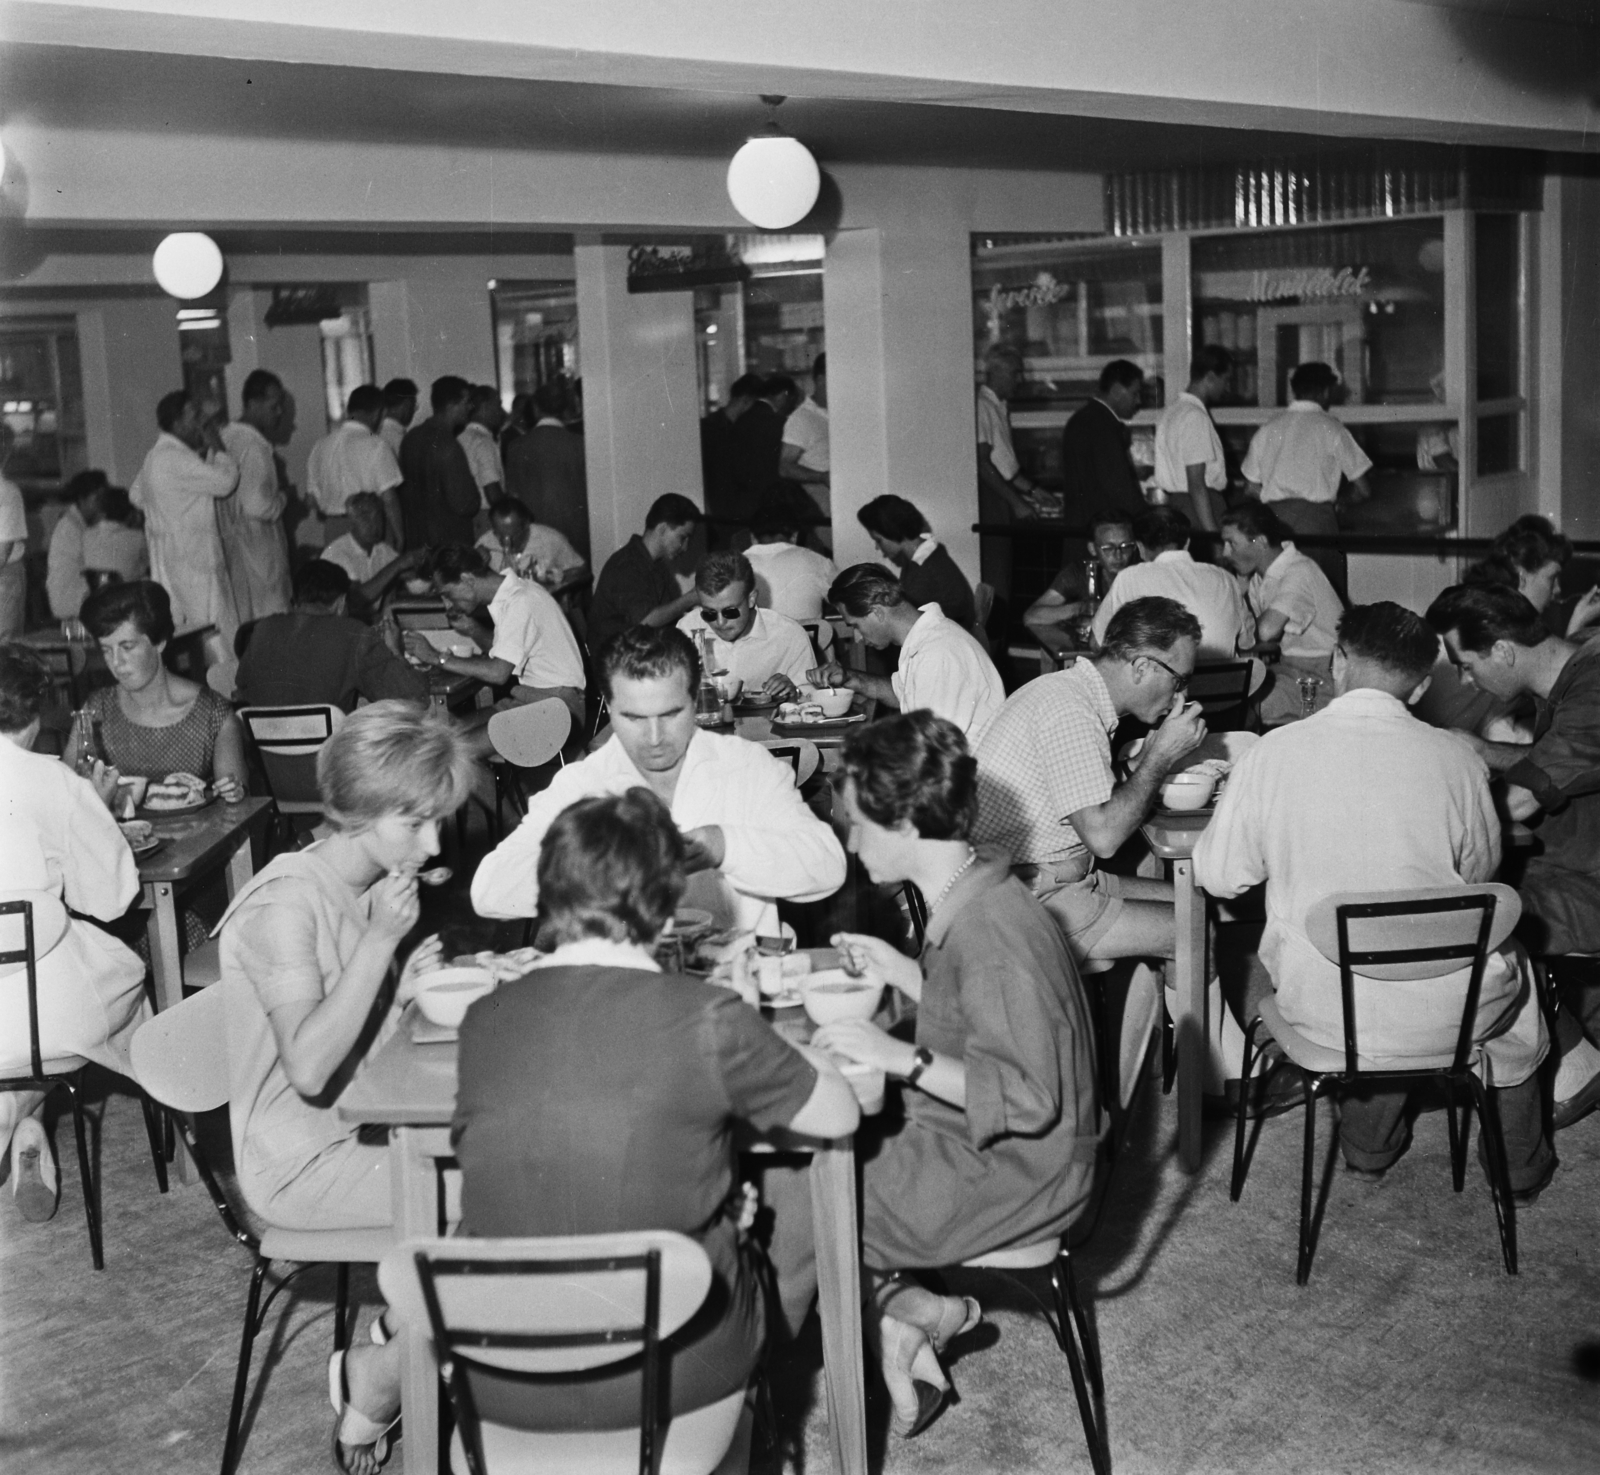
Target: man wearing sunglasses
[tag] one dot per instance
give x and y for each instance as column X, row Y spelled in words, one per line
column 768, row 652
column 1077, row 590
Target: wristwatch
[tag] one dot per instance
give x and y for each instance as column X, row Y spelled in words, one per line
column 921, row 1060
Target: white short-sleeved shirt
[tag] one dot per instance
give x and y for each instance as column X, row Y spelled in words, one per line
column 483, row 456
column 355, row 560
column 945, row 670
column 994, row 431
column 1209, row 593
column 807, row 428
column 545, row 556
column 347, row 460
column 1297, row 588
column 13, row 520
column 391, row 433
column 773, row 643
column 1185, row 436
column 532, row 633
column 1302, row 454
column 791, row 580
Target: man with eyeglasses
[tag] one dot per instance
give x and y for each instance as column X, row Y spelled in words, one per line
column 1075, row 593
column 768, row 652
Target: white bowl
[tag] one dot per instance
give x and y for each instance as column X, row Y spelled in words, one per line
column 831, row 994
column 462, row 650
column 1188, row 791
column 445, row 994
column 834, row 700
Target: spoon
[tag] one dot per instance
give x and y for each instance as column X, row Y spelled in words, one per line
column 436, row 877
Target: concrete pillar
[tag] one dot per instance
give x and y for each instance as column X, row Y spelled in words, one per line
column 389, row 317
column 897, row 306
column 641, row 421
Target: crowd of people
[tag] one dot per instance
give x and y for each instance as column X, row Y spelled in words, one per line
column 597, row 1094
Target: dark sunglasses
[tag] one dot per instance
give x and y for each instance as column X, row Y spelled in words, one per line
column 721, row 614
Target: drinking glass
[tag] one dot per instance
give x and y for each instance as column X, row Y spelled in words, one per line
column 1309, row 687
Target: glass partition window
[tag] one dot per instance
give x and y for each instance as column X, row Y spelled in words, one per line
column 41, row 399
column 535, row 334
column 1069, row 309
column 1498, row 304
column 1367, row 299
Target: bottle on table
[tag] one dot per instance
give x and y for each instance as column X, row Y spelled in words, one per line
column 708, row 700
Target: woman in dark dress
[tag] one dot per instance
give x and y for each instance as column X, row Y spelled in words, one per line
column 597, row 1095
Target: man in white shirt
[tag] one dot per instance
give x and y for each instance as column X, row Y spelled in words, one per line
column 399, row 410
column 1290, row 599
column 751, row 837
column 186, row 473
column 768, row 652
column 353, row 458
column 1190, row 467
column 479, row 438
column 804, row 453
column 529, row 549
column 1298, row 459
column 13, row 545
column 251, row 521
column 1209, row 593
column 371, row 563
column 1362, row 797
column 942, row 668
column 789, row 579
column 533, row 646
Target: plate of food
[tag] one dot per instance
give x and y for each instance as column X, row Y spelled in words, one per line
column 755, row 701
column 141, row 836
column 177, row 793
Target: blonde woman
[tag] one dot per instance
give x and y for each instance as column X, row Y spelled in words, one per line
column 309, row 968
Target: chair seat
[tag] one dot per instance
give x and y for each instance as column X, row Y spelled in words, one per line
column 1018, row 1257
column 309, row 1246
column 203, row 967
column 695, row 1444
column 22, row 1070
column 1321, row 1060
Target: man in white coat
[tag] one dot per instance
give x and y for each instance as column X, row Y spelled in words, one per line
column 185, row 475
column 251, row 521
column 751, row 837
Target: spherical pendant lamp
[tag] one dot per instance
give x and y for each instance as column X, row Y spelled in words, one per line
column 773, row 180
column 187, row 264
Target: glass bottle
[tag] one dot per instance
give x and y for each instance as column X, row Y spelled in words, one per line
column 708, row 700
column 86, row 734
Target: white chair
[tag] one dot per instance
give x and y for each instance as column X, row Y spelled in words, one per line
column 288, row 740
column 181, row 1059
column 525, row 737
column 1397, row 936
column 553, row 1308
column 31, row 923
column 802, row 755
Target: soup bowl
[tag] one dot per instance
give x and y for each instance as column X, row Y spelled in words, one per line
column 445, row 994
column 831, row 994
column 834, row 700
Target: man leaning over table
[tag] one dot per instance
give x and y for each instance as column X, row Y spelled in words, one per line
column 1363, row 797
column 1498, row 640
column 752, row 839
column 1049, row 797
column 768, row 652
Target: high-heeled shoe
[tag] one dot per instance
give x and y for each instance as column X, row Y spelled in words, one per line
column 943, row 1318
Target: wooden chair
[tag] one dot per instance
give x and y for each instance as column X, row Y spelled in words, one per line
column 31, row 922
column 524, row 738
column 1398, row 935
column 551, row 1310
column 181, row 1059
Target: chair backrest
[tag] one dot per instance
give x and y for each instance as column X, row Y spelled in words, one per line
column 420, row 614
column 547, row 1307
column 801, row 754
column 17, row 950
column 1221, row 686
column 531, row 735
column 1426, row 932
column 982, row 604
column 288, row 740
column 180, row 1056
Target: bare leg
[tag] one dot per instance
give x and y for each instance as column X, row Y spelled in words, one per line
column 372, row 1378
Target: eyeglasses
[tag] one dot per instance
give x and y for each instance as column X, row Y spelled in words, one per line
column 1180, row 679
column 1109, row 548
column 724, row 615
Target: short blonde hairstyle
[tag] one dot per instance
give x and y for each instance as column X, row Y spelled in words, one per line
column 393, row 758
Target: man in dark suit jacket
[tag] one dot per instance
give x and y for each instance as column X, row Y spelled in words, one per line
column 1096, row 469
column 439, row 497
column 545, row 470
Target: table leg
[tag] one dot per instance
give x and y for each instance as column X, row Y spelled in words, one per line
column 241, row 864
column 414, row 1194
column 166, row 969
column 1190, row 983
column 833, row 1212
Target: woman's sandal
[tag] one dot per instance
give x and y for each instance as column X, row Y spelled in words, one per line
column 352, row 1429
column 930, row 1404
column 957, row 1315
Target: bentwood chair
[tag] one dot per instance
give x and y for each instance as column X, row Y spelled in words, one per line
column 181, row 1059
column 548, row 1311
column 1404, row 936
column 31, row 922
column 524, row 738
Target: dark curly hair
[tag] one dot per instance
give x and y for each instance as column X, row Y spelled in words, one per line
column 146, row 603
column 914, row 768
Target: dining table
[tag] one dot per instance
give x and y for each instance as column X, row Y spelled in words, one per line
column 410, row 1088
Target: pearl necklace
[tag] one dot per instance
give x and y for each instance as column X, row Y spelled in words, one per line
column 960, row 871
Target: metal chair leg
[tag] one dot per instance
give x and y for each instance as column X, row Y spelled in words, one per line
column 91, row 1206
column 1071, row 1326
column 341, row 1308
column 1169, row 1049
column 1460, row 1124
column 241, row 1378
column 1505, row 1209
column 153, row 1118
column 1308, row 1246
column 1236, row 1187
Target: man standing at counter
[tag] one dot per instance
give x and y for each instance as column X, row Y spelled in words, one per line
column 1190, row 467
column 1096, row 466
column 1297, row 460
column 1003, row 487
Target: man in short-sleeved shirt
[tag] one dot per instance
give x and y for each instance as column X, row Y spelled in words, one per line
column 767, row 651
column 1190, row 467
column 1500, row 644
column 13, row 547
column 636, row 586
column 352, row 458
column 803, row 456
column 1069, row 598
